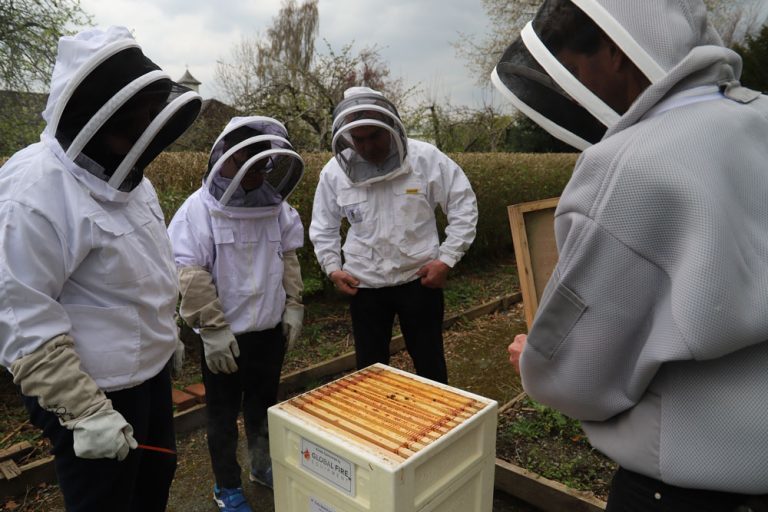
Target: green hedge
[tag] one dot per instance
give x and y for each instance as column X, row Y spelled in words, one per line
column 499, row 180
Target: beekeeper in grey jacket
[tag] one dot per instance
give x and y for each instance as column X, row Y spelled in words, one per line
column 88, row 283
column 652, row 330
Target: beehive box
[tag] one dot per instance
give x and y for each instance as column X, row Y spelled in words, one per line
column 383, row 440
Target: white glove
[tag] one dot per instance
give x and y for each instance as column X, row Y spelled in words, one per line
column 104, row 435
column 221, row 349
column 293, row 318
column 178, row 359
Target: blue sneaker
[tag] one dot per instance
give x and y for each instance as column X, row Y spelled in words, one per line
column 263, row 477
column 230, row 500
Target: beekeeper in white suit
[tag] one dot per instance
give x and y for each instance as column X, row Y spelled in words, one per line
column 89, row 286
column 653, row 330
column 387, row 186
column 235, row 242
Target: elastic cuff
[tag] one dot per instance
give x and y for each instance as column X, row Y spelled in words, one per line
column 333, row 267
column 448, row 260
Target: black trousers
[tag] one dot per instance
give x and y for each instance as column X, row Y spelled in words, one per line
column 632, row 492
column 141, row 482
column 420, row 311
column 254, row 387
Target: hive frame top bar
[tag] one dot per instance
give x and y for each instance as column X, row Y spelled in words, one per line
column 390, row 413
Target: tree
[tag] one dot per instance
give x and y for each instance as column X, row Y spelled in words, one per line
column 754, row 53
column 506, row 18
column 525, row 136
column 460, row 129
column 29, row 34
column 733, row 19
column 283, row 75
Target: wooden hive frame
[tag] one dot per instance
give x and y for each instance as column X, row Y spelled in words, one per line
column 385, row 411
column 533, row 235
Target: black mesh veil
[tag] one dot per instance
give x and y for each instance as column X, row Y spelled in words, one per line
column 522, row 80
column 252, row 164
column 121, row 115
column 533, row 77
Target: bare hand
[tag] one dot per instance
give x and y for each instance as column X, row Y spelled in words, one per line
column 344, row 281
column 515, row 350
column 434, row 274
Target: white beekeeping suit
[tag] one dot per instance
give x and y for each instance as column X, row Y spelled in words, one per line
column 387, row 187
column 653, row 328
column 89, row 286
column 235, row 240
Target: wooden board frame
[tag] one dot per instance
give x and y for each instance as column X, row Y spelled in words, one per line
column 533, row 235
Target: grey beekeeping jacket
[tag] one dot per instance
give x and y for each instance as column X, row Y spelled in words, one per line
column 653, row 328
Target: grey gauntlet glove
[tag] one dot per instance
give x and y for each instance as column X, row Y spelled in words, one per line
column 52, row 374
column 293, row 316
column 201, row 308
column 221, row 349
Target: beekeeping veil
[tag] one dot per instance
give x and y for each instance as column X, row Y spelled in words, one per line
column 252, row 164
column 369, row 140
column 654, row 34
column 112, row 109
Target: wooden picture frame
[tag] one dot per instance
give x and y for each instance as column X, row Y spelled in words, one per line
column 533, row 235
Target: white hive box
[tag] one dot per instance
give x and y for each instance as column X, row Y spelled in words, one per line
column 383, row 440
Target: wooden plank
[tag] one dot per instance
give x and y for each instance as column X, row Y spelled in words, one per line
column 533, row 235
column 548, row 495
column 194, row 418
column 32, row 474
column 190, row 419
column 300, row 379
column 9, row 469
column 16, row 451
column 512, row 402
column 484, row 309
column 373, row 446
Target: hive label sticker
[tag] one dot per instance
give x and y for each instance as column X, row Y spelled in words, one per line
column 316, row 505
column 329, row 467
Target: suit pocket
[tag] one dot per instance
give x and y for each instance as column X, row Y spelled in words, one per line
column 559, row 314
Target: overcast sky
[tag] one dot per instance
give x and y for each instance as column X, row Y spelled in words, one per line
column 414, row 36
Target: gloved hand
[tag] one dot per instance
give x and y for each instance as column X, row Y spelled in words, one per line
column 293, row 319
column 221, row 349
column 178, row 359
column 104, row 435
column 52, row 374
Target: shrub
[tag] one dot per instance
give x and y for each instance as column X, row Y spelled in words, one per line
column 499, row 180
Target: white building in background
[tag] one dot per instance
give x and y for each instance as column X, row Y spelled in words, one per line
column 187, row 80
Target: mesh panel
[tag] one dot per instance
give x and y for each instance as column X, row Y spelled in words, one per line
column 98, row 87
column 253, row 165
column 522, row 76
column 110, row 114
column 173, row 128
column 369, row 140
column 115, row 150
column 347, row 105
column 369, row 151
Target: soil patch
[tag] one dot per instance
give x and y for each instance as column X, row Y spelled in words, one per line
column 477, row 362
